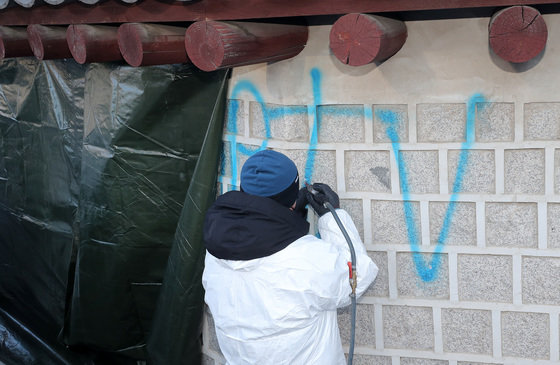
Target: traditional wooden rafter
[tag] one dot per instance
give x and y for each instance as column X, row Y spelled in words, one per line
column 93, row 43
column 213, row 45
column 14, row 42
column 356, row 38
column 359, row 39
column 152, row 44
column 48, row 42
column 517, row 34
column 114, row 11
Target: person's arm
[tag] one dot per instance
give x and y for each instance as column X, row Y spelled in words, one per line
column 330, row 232
column 366, row 270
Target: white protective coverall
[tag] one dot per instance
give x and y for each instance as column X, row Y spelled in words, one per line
column 281, row 309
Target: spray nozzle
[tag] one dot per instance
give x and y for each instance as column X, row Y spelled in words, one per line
column 310, row 189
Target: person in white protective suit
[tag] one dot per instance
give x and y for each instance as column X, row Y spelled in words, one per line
column 272, row 288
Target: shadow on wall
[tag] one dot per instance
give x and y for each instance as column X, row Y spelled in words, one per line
column 515, row 67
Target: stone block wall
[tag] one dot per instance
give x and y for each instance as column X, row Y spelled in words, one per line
column 490, row 293
column 449, row 164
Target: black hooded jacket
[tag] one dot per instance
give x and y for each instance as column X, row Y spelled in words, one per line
column 240, row 226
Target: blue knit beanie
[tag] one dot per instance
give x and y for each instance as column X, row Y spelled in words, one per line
column 271, row 174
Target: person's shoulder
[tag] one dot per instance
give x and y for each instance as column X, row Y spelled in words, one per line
column 305, row 246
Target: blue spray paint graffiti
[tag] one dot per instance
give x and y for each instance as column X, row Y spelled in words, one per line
column 316, row 79
column 271, row 113
column 428, row 272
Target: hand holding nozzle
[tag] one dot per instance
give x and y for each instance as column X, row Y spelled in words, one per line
column 318, row 195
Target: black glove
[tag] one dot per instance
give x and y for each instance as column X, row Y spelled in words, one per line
column 322, row 194
column 301, row 202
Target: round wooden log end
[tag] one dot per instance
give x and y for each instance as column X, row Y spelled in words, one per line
column 355, row 39
column 76, row 43
column 518, row 34
column 203, row 42
column 130, row 44
column 35, row 41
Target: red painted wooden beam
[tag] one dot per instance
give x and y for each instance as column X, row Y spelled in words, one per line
column 517, row 34
column 359, row 39
column 151, row 44
column 115, row 11
column 14, row 43
column 213, row 45
column 93, row 43
column 48, row 43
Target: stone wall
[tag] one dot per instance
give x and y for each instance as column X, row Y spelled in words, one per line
column 449, row 162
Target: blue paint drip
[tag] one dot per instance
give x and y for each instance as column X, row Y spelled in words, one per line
column 368, row 115
column 312, row 150
column 428, row 273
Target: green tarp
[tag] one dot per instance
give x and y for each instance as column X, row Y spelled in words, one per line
column 95, row 164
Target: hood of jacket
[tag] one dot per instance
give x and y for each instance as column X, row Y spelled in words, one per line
column 240, row 226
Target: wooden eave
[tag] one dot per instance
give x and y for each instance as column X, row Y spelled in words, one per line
column 114, row 11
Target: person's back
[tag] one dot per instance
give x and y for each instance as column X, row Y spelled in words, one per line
column 273, row 289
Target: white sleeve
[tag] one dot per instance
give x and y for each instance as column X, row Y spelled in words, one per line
column 366, row 269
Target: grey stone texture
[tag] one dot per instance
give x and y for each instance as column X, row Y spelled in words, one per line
column 206, row 360
column 367, row 171
column 485, row 278
column 526, row 335
column 380, row 287
column 524, row 171
column 461, row 228
column 422, row 171
column 341, row 123
column 478, row 174
column 476, row 363
column 407, row 327
column 323, row 168
column 495, row 122
column 225, row 159
column 371, row 360
column 285, row 122
column 388, row 222
column 354, row 207
column 441, row 122
column 409, row 280
column 418, row 361
column 365, row 325
column 467, row 331
column 511, row 224
column 541, row 280
column 541, row 121
column 234, row 117
column 553, row 224
column 212, row 341
column 394, row 117
column 557, row 171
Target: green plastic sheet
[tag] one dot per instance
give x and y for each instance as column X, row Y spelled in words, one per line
column 95, row 165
